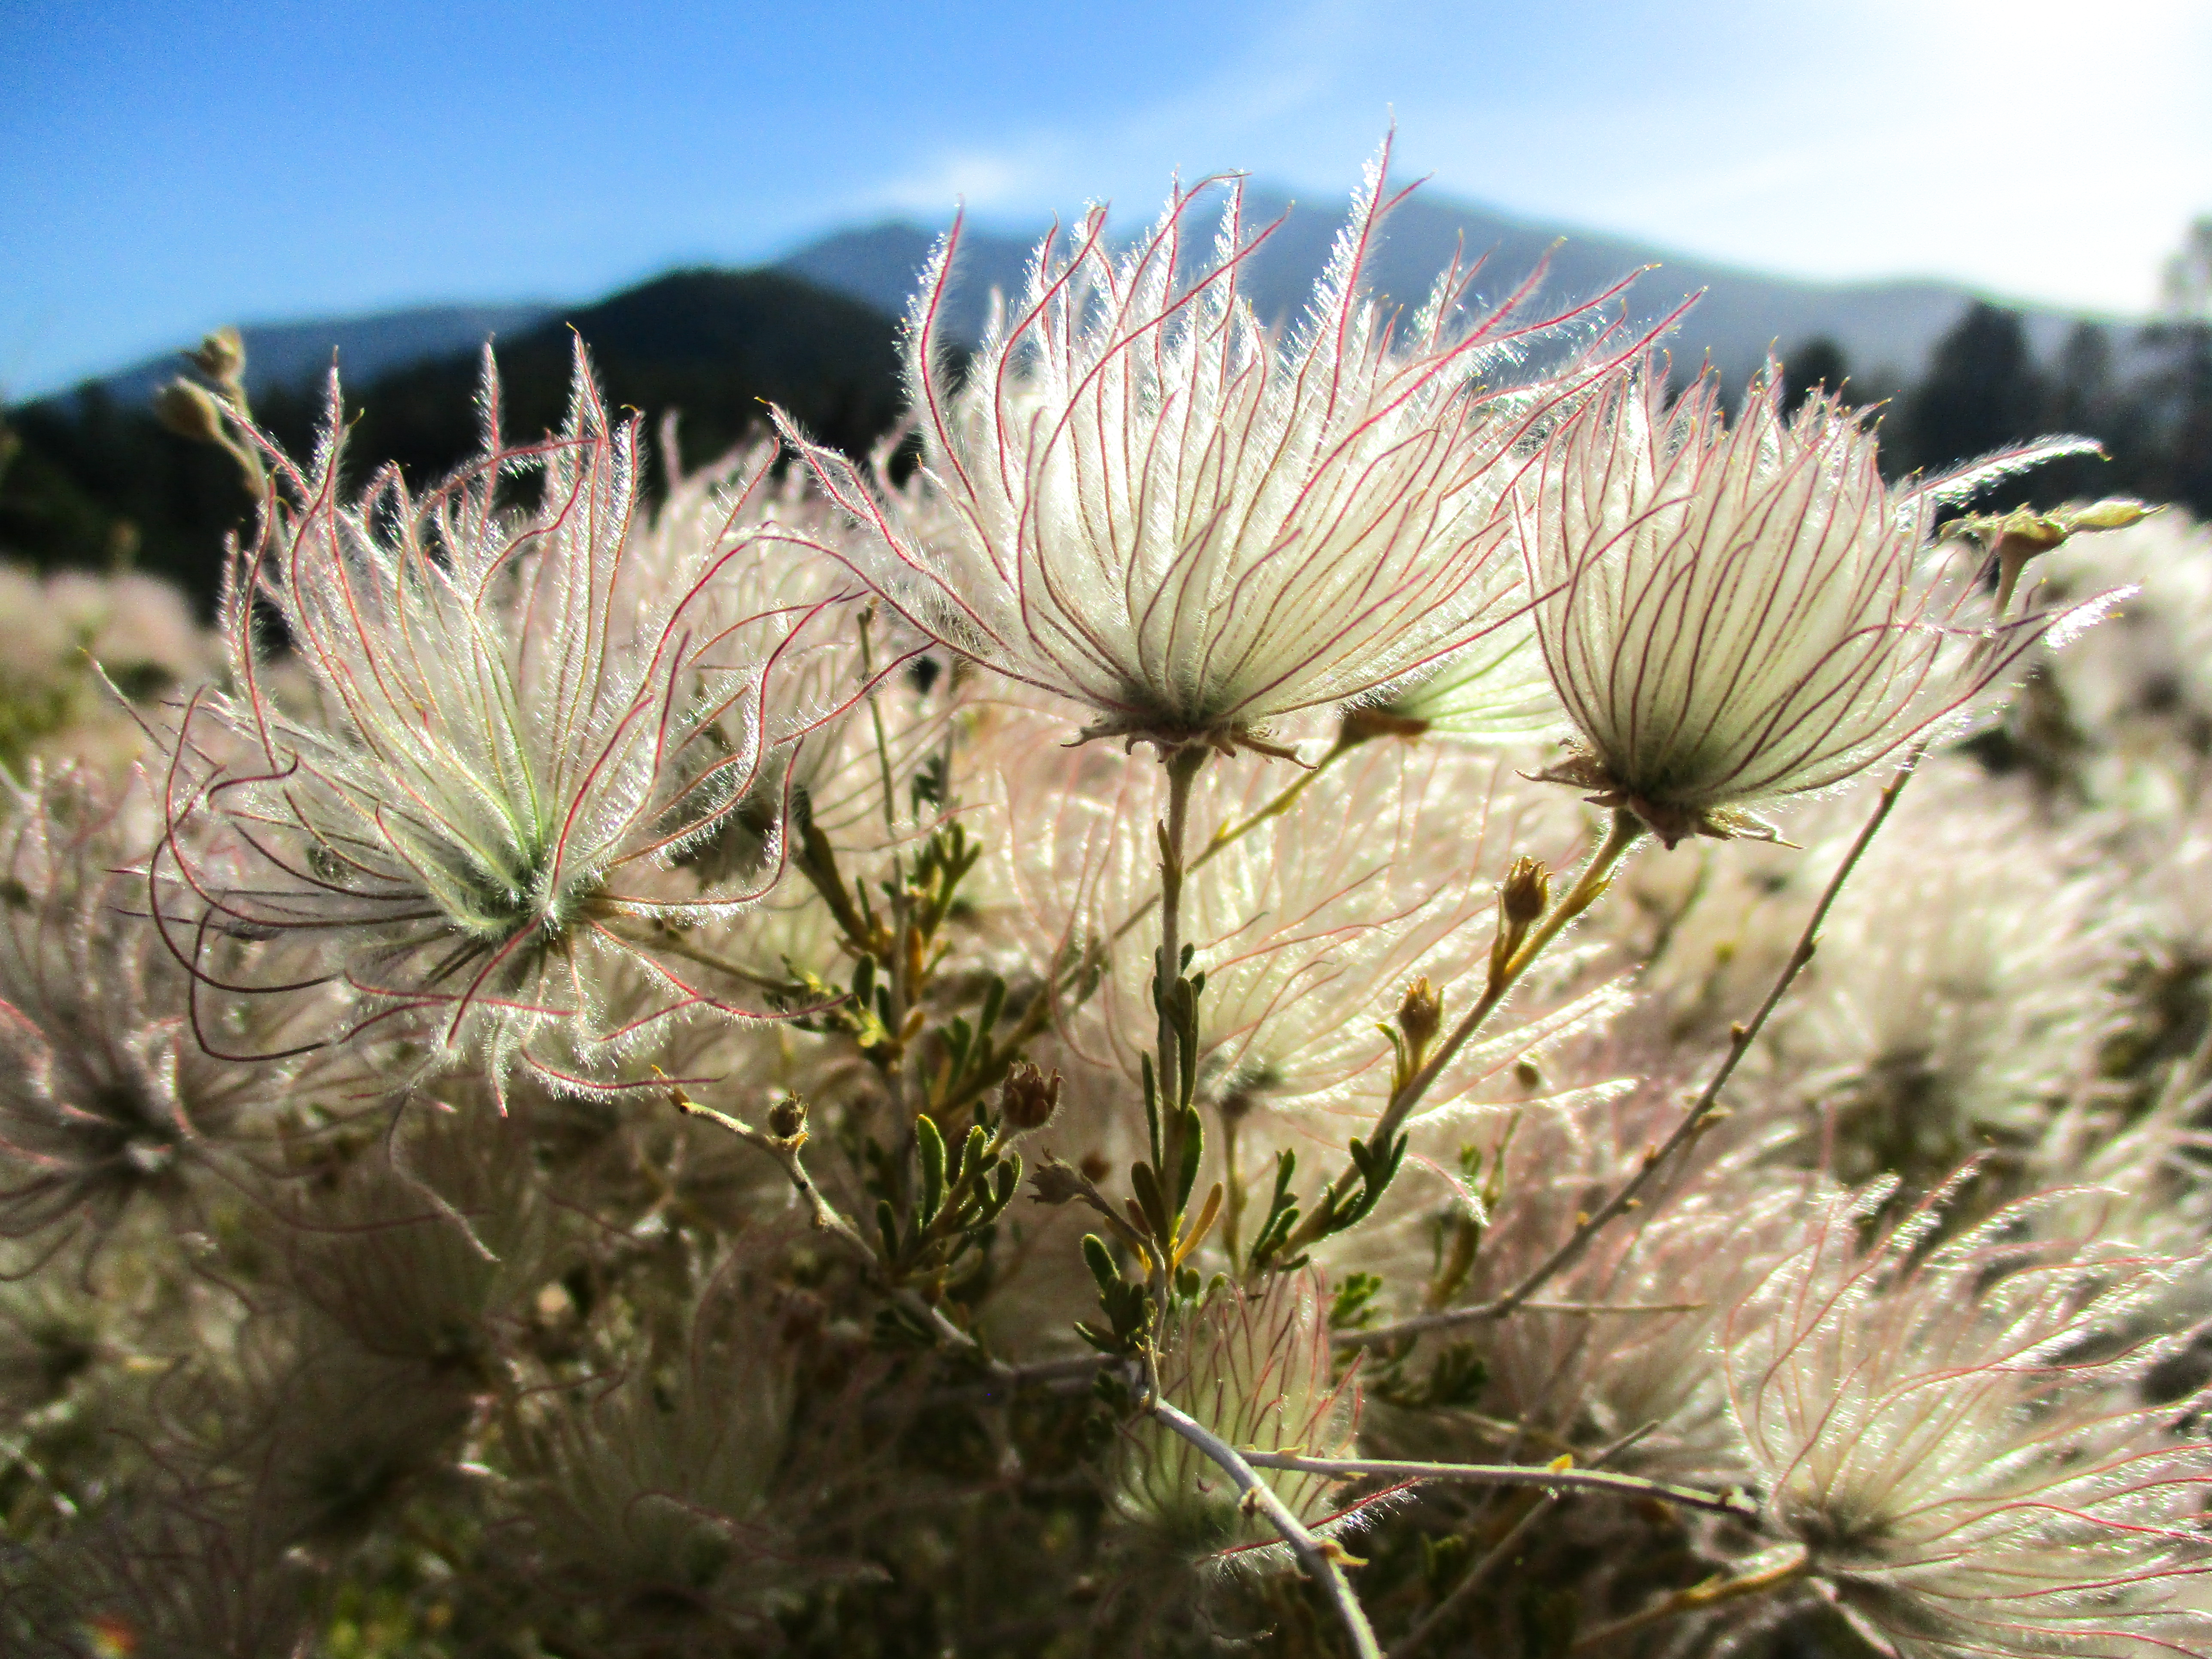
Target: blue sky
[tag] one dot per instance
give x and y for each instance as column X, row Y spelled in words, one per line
column 171, row 167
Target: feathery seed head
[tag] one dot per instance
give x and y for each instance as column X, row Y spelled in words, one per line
column 1735, row 614
column 660, row 1479
column 1963, row 983
column 103, row 1091
column 1307, row 928
column 1960, row 1437
column 1257, row 1370
column 1159, row 510
column 1494, row 692
column 421, row 1249
column 519, row 717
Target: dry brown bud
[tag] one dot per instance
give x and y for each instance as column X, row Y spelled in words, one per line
column 1421, row 1014
column 1527, row 892
column 1029, row 1098
column 1055, row 1183
column 787, row 1118
column 1095, row 1166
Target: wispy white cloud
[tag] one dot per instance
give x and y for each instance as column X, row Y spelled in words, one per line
column 989, row 179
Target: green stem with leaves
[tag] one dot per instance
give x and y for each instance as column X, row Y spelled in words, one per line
column 1517, row 947
column 1657, row 1157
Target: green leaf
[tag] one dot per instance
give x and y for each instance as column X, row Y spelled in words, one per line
column 931, row 1146
column 1100, row 1260
column 1186, row 1041
column 1351, row 1309
column 1457, row 1377
column 1193, row 1145
column 1150, row 1199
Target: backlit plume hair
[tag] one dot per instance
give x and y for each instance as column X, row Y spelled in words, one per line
column 1969, row 1445
column 1161, row 511
column 1735, row 614
column 616, row 1079
column 512, row 724
column 1255, row 1368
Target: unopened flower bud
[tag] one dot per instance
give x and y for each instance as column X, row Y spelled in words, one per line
column 220, row 356
column 189, row 412
column 2023, row 534
column 787, row 1118
column 1421, row 1013
column 1527, row 893
column 1029, row 1098
column 2115, row 514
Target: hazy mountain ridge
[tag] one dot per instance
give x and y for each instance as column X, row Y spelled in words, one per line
column 1886, row 328
column 96, row 479
column 286, row 356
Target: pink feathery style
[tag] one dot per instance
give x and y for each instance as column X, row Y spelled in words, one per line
column 1152, row 505
column 1735, row 614
column 503, row 726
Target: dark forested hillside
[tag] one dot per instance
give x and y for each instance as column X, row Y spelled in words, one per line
column 95, row 481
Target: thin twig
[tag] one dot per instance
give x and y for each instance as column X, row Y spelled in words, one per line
column 676, row 945
column 1320, row 1558
column 1654, row 1158
column 1072, row 1376
column 1500, row 1552
column 1696, row 1597
column 785, row 1152
column 1513, row 1474
column 1626, row 830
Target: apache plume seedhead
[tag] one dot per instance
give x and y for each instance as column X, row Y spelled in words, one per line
column 1735, row 615
column 519, row 718
column 1151, row 508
